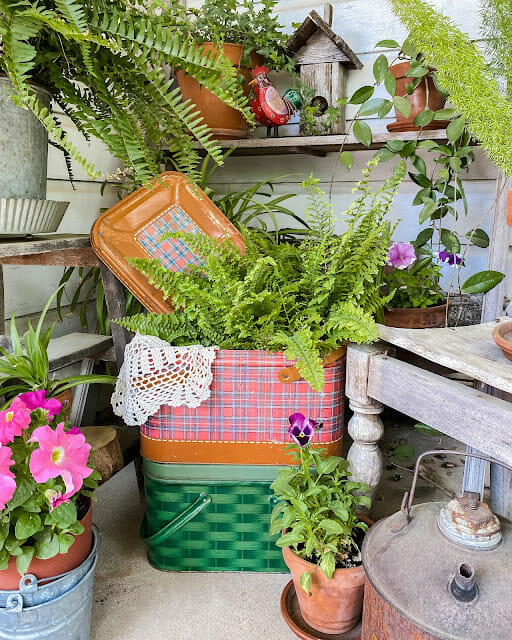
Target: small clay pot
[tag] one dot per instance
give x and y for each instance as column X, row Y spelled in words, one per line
column 416, row 318
column 418, row 100
column 225, row 122
column 335, row 604
column 502, row 335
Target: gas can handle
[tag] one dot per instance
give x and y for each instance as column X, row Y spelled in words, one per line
column 408, row 499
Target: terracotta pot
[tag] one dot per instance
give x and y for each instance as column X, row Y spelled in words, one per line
column 502, row 335
column 335, row 604
column 416, row 318
column 418, row 100
column 62, row 562
column 225, row 122
column 66, row 399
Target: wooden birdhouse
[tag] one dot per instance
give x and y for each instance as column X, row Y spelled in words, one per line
column 322, row 58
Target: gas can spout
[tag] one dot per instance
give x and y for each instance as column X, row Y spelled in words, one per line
column 463, row 585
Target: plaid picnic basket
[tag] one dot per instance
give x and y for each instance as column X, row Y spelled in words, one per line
column 245, row 419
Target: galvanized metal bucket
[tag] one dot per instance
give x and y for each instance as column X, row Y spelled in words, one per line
column 60, row 610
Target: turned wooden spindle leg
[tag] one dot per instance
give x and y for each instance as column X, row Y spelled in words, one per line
column 365, row 427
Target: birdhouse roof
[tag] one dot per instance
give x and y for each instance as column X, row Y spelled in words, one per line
column 314, row 27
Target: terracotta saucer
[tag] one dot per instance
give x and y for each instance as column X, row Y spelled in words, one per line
column 291, row 613
column 409, row 126
column 502, row 335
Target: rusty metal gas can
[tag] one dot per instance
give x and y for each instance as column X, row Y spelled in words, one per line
column 438, row 571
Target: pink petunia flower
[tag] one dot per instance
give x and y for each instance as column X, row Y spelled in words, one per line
column 13, row 421
column 55, row 498
column 7, row 481
column 38, row 400
column 60, row 454
column 401, row 255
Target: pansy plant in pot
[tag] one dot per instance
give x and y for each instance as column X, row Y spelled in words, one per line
column 321, row 531
column 45, row 491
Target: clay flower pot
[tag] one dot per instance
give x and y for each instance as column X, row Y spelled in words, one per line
column 502, row 335
column 418, row 100
column 335, row 604
column 427, row 318
column 225, row 122
column 61, row 563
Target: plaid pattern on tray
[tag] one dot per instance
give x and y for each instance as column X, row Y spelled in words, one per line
column 174, row 254
column 248, row 403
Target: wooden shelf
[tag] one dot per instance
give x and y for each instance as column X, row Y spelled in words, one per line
column 320, row 145
column 10, row 247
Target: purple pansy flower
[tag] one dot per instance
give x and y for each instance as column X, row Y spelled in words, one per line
column 450, row 258
column 301, row 429
column 401, row 255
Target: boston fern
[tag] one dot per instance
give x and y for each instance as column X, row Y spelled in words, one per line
column 303, row 299
column 102, row 61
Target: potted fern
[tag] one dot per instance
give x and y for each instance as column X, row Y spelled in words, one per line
column 101, row 63
column 274, row 308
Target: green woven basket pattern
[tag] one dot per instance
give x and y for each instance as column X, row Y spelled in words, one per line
column 230, row 534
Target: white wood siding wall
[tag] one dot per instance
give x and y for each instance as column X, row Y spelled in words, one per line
column 362, row 23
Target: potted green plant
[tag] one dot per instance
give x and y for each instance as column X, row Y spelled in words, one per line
column 415, row 297
column 247, row 33
column 322, row 532
column 101, row 63
column 45, row 516
column 304, row 299
column 26, row 368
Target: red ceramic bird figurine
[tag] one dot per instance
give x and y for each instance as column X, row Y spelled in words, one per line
column 269, row 108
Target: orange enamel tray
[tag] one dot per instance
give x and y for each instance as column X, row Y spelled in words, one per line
column 133, row 228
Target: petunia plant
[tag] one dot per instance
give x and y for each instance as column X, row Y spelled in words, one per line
column 43, row 472
column 316, row 512
column 410, row 279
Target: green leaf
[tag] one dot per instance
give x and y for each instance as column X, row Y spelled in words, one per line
column 65, row 542
column 63, row 516
column 427, row 144
column 482, row 282
column 305, row 582
column 478, row 237
column 419, row 198
column 289, row 539
column 24, row 559
column 417, row 72
column 424, row 118
column 380, row 68
column 327, row 564
column 409, row 149
column 419, row 164
column 362, row 132
column 450, row 241
column 455, row 164
column 26, row 525
column 427, row 211
column 420, row 180
column 361, row 95
column 403, row 452
column 49, row 546
column 395, row 145
column 385, row 154
column 402, row 105
column 455, row 128
column 408, row 48
column 347, row 159
column 331, row 527
column 390, row 83
column 424, row 236
column 23, row 492
column 444, row 114
column 388, row 44
column 428, row 431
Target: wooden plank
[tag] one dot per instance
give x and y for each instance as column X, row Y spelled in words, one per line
column 499, row 247
column 115, row 300
column 328, row 81
column 62, row 258
column 43, row 244
column 477, row 419
column 74, row 347
column 470, row 350
column 326, row 144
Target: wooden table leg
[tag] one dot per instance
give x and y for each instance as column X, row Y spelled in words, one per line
column 115, row 299
column 365, row 426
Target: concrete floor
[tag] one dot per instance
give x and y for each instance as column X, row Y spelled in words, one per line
column 133, row 601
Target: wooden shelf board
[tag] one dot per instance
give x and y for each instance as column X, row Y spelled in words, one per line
column 42, row 244
column 319, row 145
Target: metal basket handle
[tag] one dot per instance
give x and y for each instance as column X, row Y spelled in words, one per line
column 408, row 499
column 199, row 504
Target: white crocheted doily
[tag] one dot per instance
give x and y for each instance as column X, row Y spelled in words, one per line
column 156, row 373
